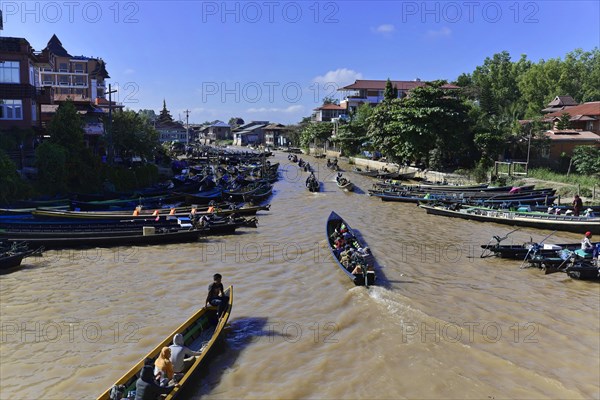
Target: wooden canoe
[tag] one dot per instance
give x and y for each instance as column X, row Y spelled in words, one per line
column 201, row 331
column 365, row 278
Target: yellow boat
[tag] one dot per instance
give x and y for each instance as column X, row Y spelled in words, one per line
column 200, row 332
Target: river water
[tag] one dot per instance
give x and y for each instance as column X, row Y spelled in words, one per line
column 443, row 324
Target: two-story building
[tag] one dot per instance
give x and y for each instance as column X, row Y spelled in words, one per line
column 371, row 91
column 21, row 94
column 327, row 112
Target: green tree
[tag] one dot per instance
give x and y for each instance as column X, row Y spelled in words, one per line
column 51, row 163
column 428, row 122
column 391, row 92
column 330, row 100
column 66, row 129
column 587, row 160
column 149, row 115
column 133, row 135
column 11, row 183
column 234, row 122
column 352, row 134
column 316, row 132
column 564, row 122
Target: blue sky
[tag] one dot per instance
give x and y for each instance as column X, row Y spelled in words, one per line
column 276, row 60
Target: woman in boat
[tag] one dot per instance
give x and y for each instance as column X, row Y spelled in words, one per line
column 163, row 367
column 179, row 352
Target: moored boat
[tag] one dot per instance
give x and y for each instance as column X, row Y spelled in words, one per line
column 534, row 220
column 200, row 332
column 360, row 266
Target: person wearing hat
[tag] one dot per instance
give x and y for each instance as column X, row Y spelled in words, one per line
column 586, row 243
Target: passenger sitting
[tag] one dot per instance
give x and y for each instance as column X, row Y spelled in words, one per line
column 179, row 352
column 163, row 367
column 586, row 243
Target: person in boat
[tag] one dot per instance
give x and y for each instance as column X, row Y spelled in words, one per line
column 345, row 256
column 163, row 367
column 577, row 205
column 146, row 387
column 216, row 295
column 182, row 357
column 211, row 207
column 586, row 243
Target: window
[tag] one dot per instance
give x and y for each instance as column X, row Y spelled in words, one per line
column 63, row 67
column 11, row 109
column 79, row 68
column 9, row 72
column 33, row 111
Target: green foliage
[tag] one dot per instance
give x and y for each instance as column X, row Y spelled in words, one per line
column 587, row 160
column 410, row 128
column 315, row 132
column 391, row 92
column 330, row 100
column 577, row 76
column 564, row 122
column 572, row 179
column 51, row 160
column 126, row 179
column 11, row 183
column 352, row 135
column 133, row 135
column 66, row 129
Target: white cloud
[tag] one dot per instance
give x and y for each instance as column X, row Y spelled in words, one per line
column 340, row 77
column 129, row 71
column 384, row 29
column 443, row 32
column 290, row 109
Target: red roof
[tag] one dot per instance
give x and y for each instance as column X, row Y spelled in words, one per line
column 591, row 108
column 330, row 106
column 380, row 85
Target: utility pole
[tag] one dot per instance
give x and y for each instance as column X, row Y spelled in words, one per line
column 111, row 152
column 187, row 127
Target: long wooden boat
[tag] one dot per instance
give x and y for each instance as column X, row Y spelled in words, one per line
column 111, row 239
column 533, row 220
column 201, row 332
column 367, row 277
column 145, row 214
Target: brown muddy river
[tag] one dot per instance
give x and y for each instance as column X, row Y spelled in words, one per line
column 443, row 324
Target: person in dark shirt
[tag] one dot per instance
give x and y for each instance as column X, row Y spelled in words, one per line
column 216, row 295
column 146, row 388
column 577, row 205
